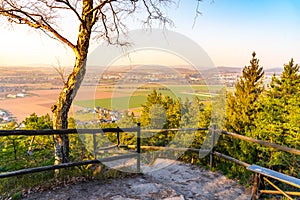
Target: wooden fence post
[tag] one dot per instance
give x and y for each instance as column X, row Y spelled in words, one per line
column 211, row 156
column 118, row 137
column 138, row 147
column 254, row 194
column 95, row 146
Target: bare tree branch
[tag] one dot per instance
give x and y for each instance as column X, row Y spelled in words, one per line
column 197, row 13
column 99, row 6
column 60, row 71
column 114, row 12
column 34, row 20
column 154, row 12
column 107, row 15
column 67, row 3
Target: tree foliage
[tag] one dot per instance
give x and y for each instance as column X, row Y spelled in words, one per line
column 241, row 110
column 271, row 115
column 24, row 151
column 165, row 112
column 241, row 106
column 278, row 120
column 34, row 122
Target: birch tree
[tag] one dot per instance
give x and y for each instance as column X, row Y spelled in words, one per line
column 105, row 18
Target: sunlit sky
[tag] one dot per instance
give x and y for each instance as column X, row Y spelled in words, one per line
column 228, row 30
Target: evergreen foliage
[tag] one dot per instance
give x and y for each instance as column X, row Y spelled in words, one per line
column 278, row 121
column 242, row 105
column 241, row 110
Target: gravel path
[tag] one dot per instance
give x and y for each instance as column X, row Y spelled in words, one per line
column 178, row 181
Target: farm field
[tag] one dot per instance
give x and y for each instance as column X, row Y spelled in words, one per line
column 119, row 103
column 106, row 96
column 40, row 102
column 128, row 97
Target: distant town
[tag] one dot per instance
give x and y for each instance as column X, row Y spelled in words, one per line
column 16, row 82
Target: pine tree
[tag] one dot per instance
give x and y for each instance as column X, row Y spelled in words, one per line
column 242, row 105
column 280, row 105
column 279, row 119
column 287, row 85
column 241, row 110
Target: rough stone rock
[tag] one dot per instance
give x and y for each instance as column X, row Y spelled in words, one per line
column 164, row 179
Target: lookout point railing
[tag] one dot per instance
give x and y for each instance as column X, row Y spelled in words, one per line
column 260, row 173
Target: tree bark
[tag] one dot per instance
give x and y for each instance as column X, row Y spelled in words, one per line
column 61, row 109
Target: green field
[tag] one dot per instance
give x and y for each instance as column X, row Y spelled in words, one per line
column 122, row 103
column 138, row 96
column 119, row 103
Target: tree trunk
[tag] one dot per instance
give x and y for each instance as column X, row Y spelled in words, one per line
column 61, row 109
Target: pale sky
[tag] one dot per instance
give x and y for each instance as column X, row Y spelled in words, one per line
column 228, row 30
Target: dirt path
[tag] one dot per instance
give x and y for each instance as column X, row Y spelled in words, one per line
column 178, row 181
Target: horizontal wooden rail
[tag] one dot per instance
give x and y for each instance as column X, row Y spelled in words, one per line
column 63, row 131
column 231, row 159
column 99, row 131
column 191, row 149
column 65, row 165
column 161, row 148
column 275, row 175
column 174, row 129
column 264, row 143
column 86, row 131
column 106, row 148
column 278, row 192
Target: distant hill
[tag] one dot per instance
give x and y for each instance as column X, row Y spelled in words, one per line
column 223, row 69
column 276, row 70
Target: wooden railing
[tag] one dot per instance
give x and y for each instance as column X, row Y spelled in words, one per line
column 72, row 131
column 137, row 147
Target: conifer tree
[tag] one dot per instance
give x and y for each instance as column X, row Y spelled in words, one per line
column 287, row 85
column 242, row 105
column 279, row 119
column 241, row 110
column 280, row 105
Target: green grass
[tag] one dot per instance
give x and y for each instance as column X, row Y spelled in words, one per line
column 119, row 103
